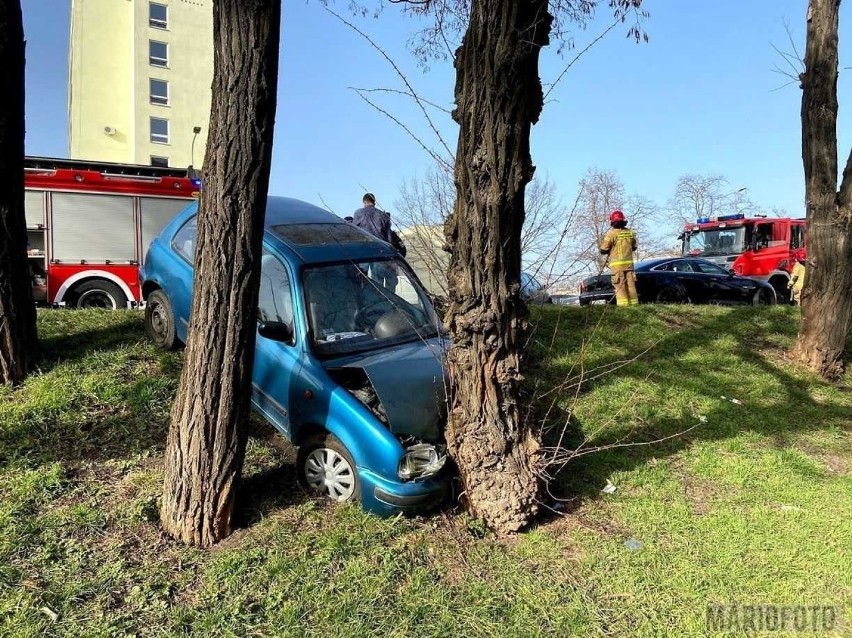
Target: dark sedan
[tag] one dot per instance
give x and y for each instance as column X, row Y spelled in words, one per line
column 683, row 280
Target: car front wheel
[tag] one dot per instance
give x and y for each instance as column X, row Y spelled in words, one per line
column 325, row 467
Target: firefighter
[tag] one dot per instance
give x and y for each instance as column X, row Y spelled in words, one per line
column 619, row 244
column 797, row 277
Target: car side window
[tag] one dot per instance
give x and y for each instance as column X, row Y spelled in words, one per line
column 709, row 268
column 680, row 266
column 184, row 239
column 275, row 301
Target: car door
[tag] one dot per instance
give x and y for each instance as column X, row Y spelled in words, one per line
column 692, row 282
column 276, row 364
column 178, row 279
column 718, row 281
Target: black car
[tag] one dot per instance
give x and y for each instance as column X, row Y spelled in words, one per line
column 597, row 288
column 683, row 280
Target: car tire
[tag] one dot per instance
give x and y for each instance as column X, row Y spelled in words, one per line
column 325, row 467
column 762, row 297
column 671, row 295
column 98, row 293
column 160, row 320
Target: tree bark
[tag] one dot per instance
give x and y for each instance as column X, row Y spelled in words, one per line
column 18, row 337
column 498, row 99
column 207, row 437
column 827, row 295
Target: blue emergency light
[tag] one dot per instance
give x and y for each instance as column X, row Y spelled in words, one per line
column 722, row 218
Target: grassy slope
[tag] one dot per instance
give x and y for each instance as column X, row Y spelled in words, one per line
column 751, row 506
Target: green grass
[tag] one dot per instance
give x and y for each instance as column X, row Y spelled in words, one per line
column 751, row 506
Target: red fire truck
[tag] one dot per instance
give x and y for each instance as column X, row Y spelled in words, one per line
column 759, row 247
column 89, row 225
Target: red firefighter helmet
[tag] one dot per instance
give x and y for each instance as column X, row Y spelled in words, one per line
column 617, row 216
column 799, row 254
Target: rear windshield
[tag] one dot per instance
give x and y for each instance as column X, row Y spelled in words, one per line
column 320, row 234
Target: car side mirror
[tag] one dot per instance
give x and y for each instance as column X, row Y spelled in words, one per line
column 731, row 272
column 276, row 330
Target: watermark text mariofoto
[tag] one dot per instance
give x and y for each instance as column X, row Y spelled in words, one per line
column 757, row 617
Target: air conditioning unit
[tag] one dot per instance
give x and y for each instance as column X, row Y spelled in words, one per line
column 109, row 130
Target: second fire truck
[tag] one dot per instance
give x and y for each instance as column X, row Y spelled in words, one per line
column 89, row 225
column 759, row 247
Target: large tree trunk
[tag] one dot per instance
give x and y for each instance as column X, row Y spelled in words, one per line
column 827, row 296
column 207, row 438
column 18, row 338
column 498, row 99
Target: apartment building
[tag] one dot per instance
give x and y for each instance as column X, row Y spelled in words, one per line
column 139, row 81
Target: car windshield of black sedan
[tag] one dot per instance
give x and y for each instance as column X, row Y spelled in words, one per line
column 357, row 306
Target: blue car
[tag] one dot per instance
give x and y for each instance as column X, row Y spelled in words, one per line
column 349, row 361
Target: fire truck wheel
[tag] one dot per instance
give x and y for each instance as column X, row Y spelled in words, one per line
column 160, row 320
column 98, row 293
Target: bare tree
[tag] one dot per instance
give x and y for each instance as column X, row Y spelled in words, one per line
column 207, row 437
column 18, row 337
column 424, row 205
column 827, row 296
column 706, row 196
column 600, row 193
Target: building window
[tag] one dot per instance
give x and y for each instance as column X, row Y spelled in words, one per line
column 159, row 130
column 158, row 53
column 162, row 162
column 158, row 15
column 159, row 92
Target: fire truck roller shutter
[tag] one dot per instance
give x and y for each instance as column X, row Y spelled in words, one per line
column 156, row 213
column 93, row 228
column 34, row 208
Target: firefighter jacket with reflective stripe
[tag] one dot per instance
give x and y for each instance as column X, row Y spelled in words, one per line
column 798, row 278
column 619, row 244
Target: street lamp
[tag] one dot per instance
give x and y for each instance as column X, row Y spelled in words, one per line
column 195, row 131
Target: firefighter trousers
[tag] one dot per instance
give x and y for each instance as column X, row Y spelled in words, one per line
column 624, row 282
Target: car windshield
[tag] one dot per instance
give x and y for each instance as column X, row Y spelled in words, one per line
column 714, row 242
column 364, row 305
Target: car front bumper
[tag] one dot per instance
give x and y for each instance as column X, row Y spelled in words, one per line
column 385, row 498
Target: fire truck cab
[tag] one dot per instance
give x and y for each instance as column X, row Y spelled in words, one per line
column 89, row 225
column 758, row 247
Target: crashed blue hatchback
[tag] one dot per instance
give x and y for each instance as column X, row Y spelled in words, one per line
column 349, row 361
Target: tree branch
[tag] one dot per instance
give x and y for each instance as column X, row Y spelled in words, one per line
column 401, row 76
column 443, row 162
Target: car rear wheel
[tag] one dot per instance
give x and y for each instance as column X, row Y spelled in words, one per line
column 671, row 295
column 160, row 320
column 325, row 467
column 98, row 293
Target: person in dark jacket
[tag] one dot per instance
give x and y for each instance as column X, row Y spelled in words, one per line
column 374, row 220
column 377, row 222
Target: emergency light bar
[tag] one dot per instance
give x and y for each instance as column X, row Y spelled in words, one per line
column 721, row 218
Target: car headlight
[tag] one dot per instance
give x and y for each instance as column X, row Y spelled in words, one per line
column 420, row 461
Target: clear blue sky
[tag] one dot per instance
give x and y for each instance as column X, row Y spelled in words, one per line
column 698, row 98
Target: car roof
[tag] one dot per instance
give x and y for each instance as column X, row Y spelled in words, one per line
column 316, row 235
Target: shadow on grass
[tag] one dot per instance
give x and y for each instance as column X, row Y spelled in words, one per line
column 672, row 364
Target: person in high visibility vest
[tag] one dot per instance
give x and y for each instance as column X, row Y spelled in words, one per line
column 797, row 277
column 619, row 244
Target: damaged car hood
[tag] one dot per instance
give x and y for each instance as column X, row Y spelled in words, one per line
column 410, row 382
